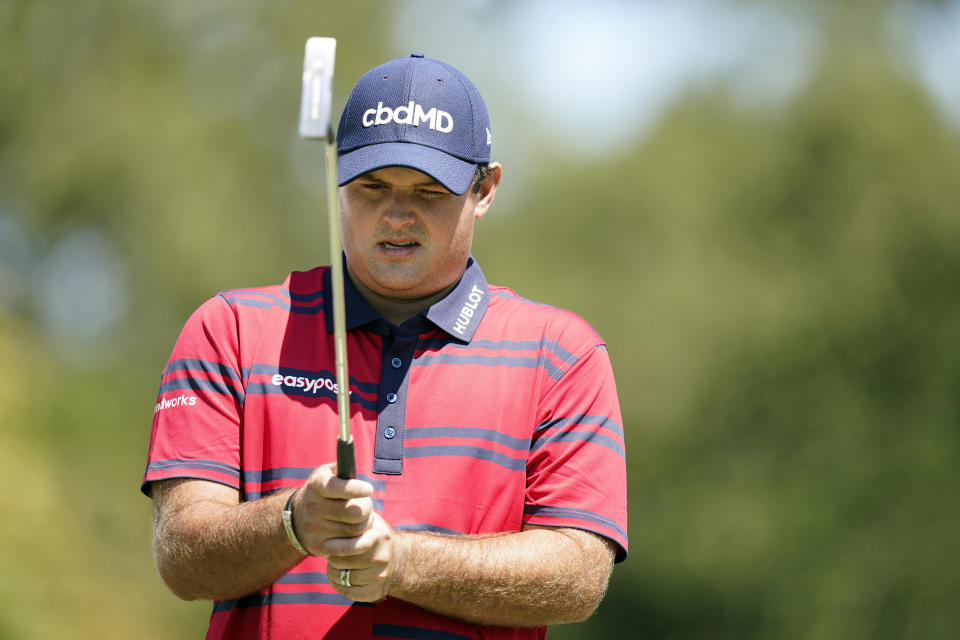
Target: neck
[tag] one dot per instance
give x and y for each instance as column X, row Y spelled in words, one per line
column 397, row 310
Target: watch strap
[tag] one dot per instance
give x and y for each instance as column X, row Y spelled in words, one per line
column 287, row 516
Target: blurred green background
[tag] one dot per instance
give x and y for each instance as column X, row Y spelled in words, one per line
column 755, row 203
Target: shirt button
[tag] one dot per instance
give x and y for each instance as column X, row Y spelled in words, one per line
column 389, row 432
column 391, row 398
column 396, row 363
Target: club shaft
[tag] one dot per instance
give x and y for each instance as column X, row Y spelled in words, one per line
column 339, row 306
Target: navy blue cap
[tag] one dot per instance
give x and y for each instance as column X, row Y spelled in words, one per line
column 414, row 112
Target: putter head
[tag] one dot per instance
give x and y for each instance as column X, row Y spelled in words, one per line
column 315, row 101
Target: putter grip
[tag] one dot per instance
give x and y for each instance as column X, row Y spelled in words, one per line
column 346, row 463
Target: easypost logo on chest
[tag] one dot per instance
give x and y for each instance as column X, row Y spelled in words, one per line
column 308, row 385
column 411, row 114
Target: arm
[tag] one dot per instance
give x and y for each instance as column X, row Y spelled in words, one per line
column 209, row 545
column 535, row 577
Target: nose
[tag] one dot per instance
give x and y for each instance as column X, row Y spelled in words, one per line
column 399, row 211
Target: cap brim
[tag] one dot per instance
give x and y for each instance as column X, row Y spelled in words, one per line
column 453, row 173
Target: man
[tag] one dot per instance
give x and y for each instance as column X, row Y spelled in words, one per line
column 491, row 495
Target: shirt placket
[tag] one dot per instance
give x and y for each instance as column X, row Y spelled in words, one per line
column 398, row 350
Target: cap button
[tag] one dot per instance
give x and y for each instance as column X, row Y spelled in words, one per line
column 416, row 54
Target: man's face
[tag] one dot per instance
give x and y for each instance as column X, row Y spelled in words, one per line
column 406, row 237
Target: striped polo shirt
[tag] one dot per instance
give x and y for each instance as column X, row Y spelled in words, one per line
column 482, row 414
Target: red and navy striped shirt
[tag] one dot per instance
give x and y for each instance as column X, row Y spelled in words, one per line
column 482, row 414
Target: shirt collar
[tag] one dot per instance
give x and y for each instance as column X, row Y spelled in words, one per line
column 358, row 311
column 458, row 313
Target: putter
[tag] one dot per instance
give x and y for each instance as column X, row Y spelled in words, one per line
column 315, row 124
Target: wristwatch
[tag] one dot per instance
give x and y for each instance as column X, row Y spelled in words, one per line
column 287, row 515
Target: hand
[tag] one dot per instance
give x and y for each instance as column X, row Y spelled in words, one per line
column 329, row 509
column 372, row 559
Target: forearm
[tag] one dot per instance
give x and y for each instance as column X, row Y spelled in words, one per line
column 530, row 578
column 210, row 549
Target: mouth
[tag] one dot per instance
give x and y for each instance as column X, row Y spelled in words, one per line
column 395, row 245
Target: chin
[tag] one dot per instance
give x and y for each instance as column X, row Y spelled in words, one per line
column 398, row 288
column 399, row 280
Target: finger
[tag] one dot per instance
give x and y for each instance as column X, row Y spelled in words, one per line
column 353, row 511
column 319, row 529
column 374, row 547
column 371, row 569
column 323, row 481
column 366, row 593
column 365, row 584
column 361, row 548
column 335, row 574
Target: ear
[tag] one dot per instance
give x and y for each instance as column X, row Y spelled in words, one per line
column 488, row 189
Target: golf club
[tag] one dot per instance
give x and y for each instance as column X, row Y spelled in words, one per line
column 315, row 124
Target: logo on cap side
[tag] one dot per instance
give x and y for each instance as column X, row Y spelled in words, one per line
column 411, row 114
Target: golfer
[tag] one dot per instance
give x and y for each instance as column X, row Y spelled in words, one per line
column 490, row 500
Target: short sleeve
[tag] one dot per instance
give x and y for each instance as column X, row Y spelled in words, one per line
column 576, row 474
column 197, row 416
